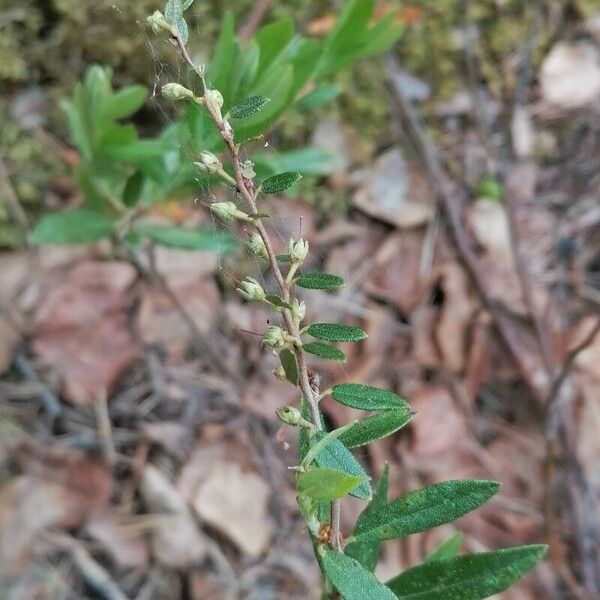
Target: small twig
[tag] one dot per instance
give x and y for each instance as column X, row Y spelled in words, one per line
column 254, row 18
column 568, row 365
column 105, row 428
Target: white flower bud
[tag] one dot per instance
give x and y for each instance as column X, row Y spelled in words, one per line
column 213, row 100
column 274, row 338
column 298, row 310
column 209, row 163
column 227, row 211
column 257, row 245
column 248, row 169
column 157, row 22
column 251, row 290
column 298, row 251
column 175, row 91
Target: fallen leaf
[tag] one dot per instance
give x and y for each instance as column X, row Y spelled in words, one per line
column 176, row 539
column 395, row 192
column 81, row 329
column 570, row 75
column 119, row 535
column 236, row 503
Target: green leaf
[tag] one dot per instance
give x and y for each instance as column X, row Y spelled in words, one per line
column 218, row 72
column 79, row 226
column 319, row 96
column 277, row 301
column 289, row 364
column 376, row 427
column 271, row 40
column 248, row 107
column 281, row 182
column 320, row 281
column 336, row 332
column 337, row 456
column 365, row 397
column 182, row 29
column 424, row 509
column 351, row 580
column 186, row 4
column 469, row 577
column 321, row 443
column 326, row 484
column 126, row 102
column 447, row 549
column 133, row 189
column 187, row 239
column 324, row 351
column 173, row 10
column 367, row 553
column 307, row 161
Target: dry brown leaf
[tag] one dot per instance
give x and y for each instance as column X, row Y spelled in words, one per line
column 236, row 503
column 176, row 539
column 81, row 329
column 395, row 276
column 395, row 192
column 118, row 534
column 452, row 330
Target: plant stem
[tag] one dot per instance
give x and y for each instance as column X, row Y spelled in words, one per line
column 246, row 189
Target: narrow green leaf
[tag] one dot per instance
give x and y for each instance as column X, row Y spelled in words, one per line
column 320, row 281
column 367, row 553
column 186, row 4
column 469, row 577
column 182, row 29
column 324, row 351
column 336, row 332
column 322, row 442
column 187, row 239
column 319, row 96
column 337, row 456
column 447, row 549
column 366, row 397
column 281, row 182
column 289, row 364
column 326, row 484
column 125, row 102
column 248, row 107
column 376, row 427
column 277, row 301
column 132, row 191
column 173, row 10
column 425, row 508
column 351, row 580
column 79, row 226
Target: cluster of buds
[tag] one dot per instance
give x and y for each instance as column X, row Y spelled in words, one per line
column 176, row 91
column 209, row 163
column 252, row 291
column 257, row 245
column 228, row 211
column 276, row 338
column 159, row 24
column 298, row 251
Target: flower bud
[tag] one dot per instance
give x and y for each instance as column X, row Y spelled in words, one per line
column 227, row 211
column 251, row 290
column 257, row 246
column 175, row 91
column 289, row 415
column 209, row 163
column 248, row 169
column 298, row 310
column 298, row 251
column 157, row 22
column 213, row 100
column 274, row 338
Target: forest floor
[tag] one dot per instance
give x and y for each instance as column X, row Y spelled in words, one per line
column 465, row 218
